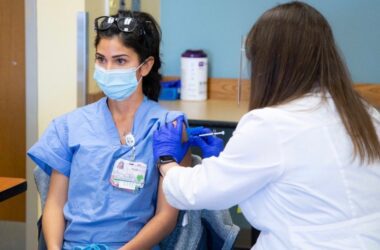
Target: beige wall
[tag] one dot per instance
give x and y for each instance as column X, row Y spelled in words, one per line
column 56, row 39
column 94, row 8
column 150, row 6
column 57, row 55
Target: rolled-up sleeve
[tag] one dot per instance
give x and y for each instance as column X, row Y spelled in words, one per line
column 251, row 160
column 51, row 151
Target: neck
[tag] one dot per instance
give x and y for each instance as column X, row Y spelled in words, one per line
column 122, row 110
column 123, row 113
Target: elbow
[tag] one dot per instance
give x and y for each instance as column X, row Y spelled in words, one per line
column 172, row 222
column 168, row 220
column 171, row 225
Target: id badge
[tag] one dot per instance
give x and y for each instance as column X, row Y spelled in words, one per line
column 128, row 175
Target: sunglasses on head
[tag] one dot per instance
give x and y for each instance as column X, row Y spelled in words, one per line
column 125, row 24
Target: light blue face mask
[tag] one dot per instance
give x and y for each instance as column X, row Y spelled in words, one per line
column 117, row 84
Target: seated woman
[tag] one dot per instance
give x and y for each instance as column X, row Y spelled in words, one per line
column 105, row 189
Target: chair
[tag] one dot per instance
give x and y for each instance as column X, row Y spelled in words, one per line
column 42, row 181
column 202, row 229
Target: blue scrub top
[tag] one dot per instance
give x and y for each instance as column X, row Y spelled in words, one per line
column 83, row 145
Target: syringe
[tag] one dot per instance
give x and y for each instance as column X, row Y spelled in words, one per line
column 212, row 133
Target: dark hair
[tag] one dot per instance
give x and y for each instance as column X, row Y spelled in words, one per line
column 292, row 52
column 145, row 40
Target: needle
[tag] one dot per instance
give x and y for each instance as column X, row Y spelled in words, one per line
column 212, row 134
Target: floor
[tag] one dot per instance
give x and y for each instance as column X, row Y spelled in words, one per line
column 12, row 235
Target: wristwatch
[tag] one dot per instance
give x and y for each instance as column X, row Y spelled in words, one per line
column 164, row 159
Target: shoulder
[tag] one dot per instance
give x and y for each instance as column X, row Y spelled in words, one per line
column 261, row 117
column 93, row 108
column 85, row 112
column 308, row 111
column 162, row 113
column 373, row 112
column 78, row 116
column 155, row 108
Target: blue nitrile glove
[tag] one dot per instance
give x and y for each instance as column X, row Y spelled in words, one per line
column 194, row 130
column 167, row 140
column 210, row 145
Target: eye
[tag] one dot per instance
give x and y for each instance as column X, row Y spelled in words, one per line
column 121, row 61
column 100, row 59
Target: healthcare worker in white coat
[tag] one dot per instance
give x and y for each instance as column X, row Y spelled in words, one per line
column 303, row 163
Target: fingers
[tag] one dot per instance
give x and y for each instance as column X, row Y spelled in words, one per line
column 174, row 128
column 194, row 130
column 198, row 141
column 179, row 124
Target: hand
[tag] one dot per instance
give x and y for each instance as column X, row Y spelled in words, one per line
column 210, row 145
column 167, row 140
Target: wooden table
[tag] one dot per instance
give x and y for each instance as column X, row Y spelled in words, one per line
column 10, row 187
column 227, row 111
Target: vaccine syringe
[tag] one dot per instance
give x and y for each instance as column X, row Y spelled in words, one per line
column 212, row 133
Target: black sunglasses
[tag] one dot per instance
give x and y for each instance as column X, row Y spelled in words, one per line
column 124, row 24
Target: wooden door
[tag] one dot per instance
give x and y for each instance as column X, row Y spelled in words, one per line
column 12, row 102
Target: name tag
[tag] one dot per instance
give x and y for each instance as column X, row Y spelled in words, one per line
column 128, row 175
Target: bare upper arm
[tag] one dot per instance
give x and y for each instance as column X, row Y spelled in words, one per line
column 186, row 161
column 58, row 188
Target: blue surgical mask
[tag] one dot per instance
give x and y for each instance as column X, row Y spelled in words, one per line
column 117, row 84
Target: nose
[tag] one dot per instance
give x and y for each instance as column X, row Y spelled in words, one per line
column 108, row 66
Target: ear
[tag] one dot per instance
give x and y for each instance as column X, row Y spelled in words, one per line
column 147, row 66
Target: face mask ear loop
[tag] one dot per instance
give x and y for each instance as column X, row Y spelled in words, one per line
column 138, row 67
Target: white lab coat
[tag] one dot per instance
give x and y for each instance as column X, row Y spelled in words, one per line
column 290, row 169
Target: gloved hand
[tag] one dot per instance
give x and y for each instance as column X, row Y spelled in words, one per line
column 210, row 145
column 167, row 140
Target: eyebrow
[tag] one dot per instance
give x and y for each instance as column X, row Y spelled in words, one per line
column 115, row 56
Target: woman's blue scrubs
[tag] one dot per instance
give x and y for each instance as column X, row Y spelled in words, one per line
column 83, row 145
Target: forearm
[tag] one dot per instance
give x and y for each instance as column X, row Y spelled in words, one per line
column 185, row 162
column 161, row 224
column 53, row 224
column 153, row 232
column 53, row 221
column 164, row 168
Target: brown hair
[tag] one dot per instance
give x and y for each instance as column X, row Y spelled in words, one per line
column 292, row 52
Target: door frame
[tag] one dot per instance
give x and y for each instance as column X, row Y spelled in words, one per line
column 31, row 88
